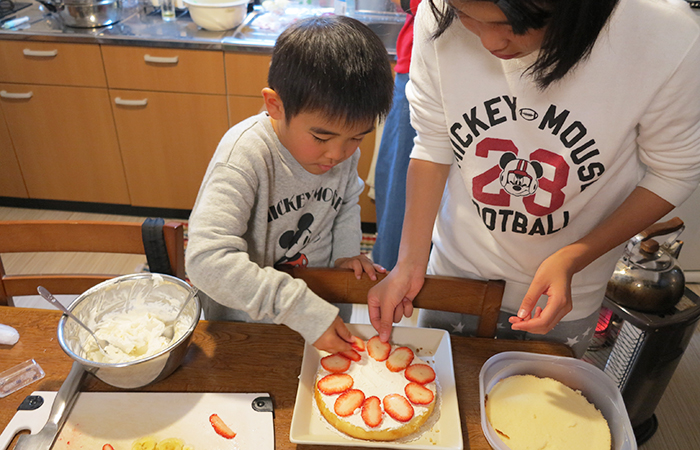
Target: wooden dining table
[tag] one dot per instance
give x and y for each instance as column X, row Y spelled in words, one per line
column 234, row 357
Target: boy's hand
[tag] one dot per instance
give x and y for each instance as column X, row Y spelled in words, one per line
column 359, row 264
column 553, row 279
column 337, row 338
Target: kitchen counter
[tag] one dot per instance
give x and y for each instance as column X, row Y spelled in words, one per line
column 143, row 26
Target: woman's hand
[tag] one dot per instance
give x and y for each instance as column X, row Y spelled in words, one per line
column 359, row 264
column 640, row 209
column 391, row 299
column 553, row 279
column 337, row 338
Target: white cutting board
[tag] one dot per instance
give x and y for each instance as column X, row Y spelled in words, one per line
column 119, row 418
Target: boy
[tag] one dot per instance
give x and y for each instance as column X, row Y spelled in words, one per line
column 282, row 187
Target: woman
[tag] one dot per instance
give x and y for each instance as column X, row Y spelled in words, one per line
column 557, row 130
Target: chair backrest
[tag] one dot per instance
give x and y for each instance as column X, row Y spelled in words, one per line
column 452, row 294
column 78, row 236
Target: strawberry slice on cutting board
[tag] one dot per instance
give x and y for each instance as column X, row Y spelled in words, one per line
column 220, row 427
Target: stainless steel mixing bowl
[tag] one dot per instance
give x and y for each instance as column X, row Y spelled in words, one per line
column 115, row 295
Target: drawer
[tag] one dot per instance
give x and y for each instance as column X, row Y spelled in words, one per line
column 166, row 70
column 246, row 73
column 240, row 108
column 51, row 63
column 167, row 140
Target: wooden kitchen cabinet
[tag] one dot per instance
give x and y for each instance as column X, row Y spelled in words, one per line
column 246, row 76
column 65, row 142
column 246, row 73
column 167, row 143
column 51, row 63
column 170, row 114
column 11, row 181
column 164, row 69
column 56, row 107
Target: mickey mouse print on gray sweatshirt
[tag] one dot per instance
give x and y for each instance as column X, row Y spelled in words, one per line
column 257, row 208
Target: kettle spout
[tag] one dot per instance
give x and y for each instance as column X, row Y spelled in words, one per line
column 674, row 249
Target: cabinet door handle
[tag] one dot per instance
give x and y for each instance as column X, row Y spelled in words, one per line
column 5, row 94
column 40, row 53
column 123, row 102
column 161, row 59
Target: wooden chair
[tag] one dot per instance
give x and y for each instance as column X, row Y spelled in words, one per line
column 458, row 295
column 82, row 236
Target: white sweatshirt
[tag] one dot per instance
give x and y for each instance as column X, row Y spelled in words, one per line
column 533, row 171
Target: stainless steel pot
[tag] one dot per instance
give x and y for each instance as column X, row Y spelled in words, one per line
column 86, row 13
column 648, row 278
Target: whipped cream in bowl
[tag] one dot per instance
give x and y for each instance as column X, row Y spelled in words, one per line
column 131, row 313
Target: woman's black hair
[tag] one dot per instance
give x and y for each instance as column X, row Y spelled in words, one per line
column 334, row 65
column 572, row 29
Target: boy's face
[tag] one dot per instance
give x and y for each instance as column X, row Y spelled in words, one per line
column 318, row 144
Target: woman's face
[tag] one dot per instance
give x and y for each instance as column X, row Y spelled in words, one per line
column 487, row 21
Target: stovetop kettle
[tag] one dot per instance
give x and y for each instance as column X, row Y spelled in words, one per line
column 648, row 278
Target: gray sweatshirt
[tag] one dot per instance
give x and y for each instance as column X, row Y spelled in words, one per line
column 258, row 208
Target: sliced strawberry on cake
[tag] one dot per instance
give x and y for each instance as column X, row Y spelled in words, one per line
column 358, row 344
column 348, row 402
column 335, row 383
column 335, row 363
column 372, row 412
column 371, row 400
column 399, row 359
column 398, row 407
column 377, row 349
column 420, row 373
column 419, row 394
column 352, row 354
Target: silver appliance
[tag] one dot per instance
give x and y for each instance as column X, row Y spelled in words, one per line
column 640, row 352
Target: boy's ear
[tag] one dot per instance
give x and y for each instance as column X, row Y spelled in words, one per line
column 273, row 104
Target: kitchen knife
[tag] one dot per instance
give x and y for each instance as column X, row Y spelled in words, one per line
column 65, row 399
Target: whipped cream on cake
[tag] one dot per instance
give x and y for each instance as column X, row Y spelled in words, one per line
column 367, row 369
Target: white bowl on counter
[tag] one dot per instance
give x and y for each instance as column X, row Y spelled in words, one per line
column 216, row 15
column 579, row 375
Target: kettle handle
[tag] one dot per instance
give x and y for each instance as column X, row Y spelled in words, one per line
column 660, row 229
column 674, row 225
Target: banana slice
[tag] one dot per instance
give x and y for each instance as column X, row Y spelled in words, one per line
column 170, row 444
column 145, row 443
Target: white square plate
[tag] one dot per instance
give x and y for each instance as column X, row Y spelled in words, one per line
column 432, row 345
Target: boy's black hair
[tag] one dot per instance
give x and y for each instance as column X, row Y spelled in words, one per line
column 334, row 65
column 572, row 29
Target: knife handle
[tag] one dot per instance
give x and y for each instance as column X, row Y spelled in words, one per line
column 66, row 396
